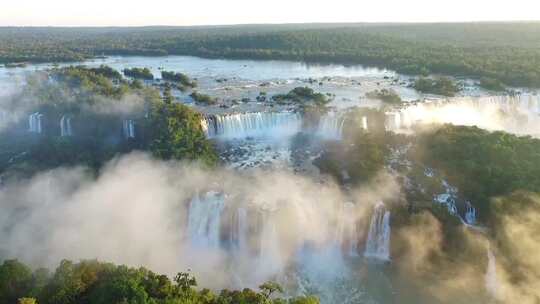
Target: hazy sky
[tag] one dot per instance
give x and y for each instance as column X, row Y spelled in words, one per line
column 198, row 12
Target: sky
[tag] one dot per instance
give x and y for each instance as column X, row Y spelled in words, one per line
column 214, row 12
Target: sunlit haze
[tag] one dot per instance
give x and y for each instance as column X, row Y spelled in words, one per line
column 202, row 12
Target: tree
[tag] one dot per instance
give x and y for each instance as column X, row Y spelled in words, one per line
column 269, row 288
column 176, row 133
column 15, row 281
column 167, row 95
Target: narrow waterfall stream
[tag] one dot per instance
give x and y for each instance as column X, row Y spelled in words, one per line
column 378, row 241
column 65, row 126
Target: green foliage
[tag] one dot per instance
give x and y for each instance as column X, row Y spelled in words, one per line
column 303, row 96
column 203, row 98
column 362, row 157
column 483, row 164
column 440, row 86
column 15, row 281
column 107, row 71
column 93, row 282
column 180, row 78
column 386, row 95
column 80, row 81
column 176, row 133
column 139, row 73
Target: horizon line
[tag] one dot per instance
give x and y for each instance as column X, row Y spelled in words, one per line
column 275, row 24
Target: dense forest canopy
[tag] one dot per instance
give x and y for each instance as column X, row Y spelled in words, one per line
column 482, row 164
column 106, row 283
column 506, row 52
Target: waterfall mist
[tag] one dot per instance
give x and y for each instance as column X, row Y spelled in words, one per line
column 231, row 229
column 513, row 114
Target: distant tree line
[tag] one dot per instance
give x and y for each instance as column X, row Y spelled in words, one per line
column 506, row 52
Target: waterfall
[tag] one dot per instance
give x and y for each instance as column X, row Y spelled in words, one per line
column 517, row 113
column 65, row 126
column 392, row 121
column 331, row 125
column 470, row 214
column 128, row 128
column 239, row 236
column 364, row 123
column 378, row 241
column 491, row 279
column 204, row 220
column 35, row 121
column 347, row 230
column 269, row 259
column 258, row 124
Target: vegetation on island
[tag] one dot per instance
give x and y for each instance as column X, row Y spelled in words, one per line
column 507, row 52
column 440, row 86
column 385, row 95
column 179, row 78
column 94, row 282
column 139, row 73
column 203, row 98
column 98, row 103
column 303, row 96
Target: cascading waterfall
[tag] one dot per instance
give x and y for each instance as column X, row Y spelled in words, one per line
column 270, row 259
column 258, row 124
column 470, row 214
column 35, row 121
column 65, row 126
column 277, row 240
column 331, row 125
column 204, row 220
column 378, row 241
column 239, row 237
column 128, row 128
column 347, row 231
column 364, row 123
column 518, row 114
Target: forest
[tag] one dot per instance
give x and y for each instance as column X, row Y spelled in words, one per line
column 105, row 283
column 482, row 164
column 505, row 53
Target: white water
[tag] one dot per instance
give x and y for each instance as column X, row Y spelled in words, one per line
column 65, row 126
column 204, row 221
column 35, row 121
column 516, row 114
column 259, row 124
column 347, row 231
column 470, row 214
column 331, row 125
column 273, row 238
column 128, row 128
column 364, row 123
column 378, row 241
